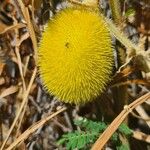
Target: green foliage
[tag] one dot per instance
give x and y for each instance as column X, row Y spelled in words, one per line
column 125, row 130
column 77, row 139
column 90, row 125
column 130, row 12
column 115, row 137
column 89, row 132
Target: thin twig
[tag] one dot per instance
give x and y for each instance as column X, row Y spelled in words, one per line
column 9, row 91
column 26, row 65
column 102, row 140
column 21, row 107
column 135, row 81
column 16, row 26
column 20, row 67
column 141, row 136
column 143, row 114
column 26, row 15
column 33, row 128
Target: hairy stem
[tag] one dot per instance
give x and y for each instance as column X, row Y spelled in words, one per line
column 116, row 11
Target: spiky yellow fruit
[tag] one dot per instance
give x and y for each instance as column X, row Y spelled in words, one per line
column 75, row 56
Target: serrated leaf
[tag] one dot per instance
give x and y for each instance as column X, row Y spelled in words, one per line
column 78, row 139
column 90, row 130
column 90, row 125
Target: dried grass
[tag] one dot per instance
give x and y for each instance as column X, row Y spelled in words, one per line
column 25, row 108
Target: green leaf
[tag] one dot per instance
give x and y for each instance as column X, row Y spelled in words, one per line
column 90, row 125
column 61, row 141
column 124, row 129
column 69, row 145
column 72, row 144
column 123, row 147
column 88, row 139
column 115, row 137
column 78, row 139
column 81, row 142
column 90, row 131
column 130, row 12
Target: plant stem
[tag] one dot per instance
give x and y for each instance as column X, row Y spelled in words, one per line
column 116, row 11
column 119, row 94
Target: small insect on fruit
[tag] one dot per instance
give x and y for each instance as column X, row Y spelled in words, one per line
column 75, row 55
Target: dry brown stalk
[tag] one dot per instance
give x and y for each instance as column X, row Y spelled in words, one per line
column 102, row 140
column 33, row 128
column 21, row 108
column 141, row 136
